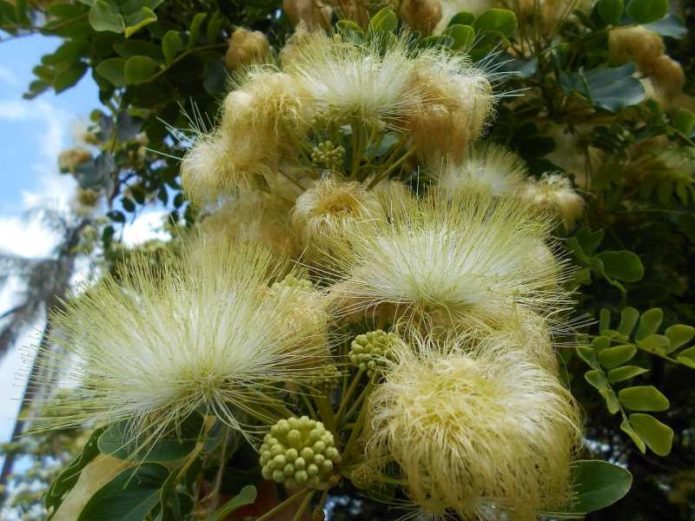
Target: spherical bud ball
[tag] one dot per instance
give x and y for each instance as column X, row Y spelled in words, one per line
column 326, row 380
column 554, row 193
column 368, row 352
column 299, row 451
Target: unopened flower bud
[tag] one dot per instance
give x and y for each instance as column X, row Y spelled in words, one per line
column 326, row 380
column 369, row 351
column 299, row 451
column 328, row 155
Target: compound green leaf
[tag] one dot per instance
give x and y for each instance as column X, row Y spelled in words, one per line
column 463, row 18
column 679, row 335
column 643, row 398
column 614, row 356
column 598, row 484
column 636, row 439
column 103, row 16
column 136, row 21
column 497, row 20
column 672, row 26
column 113, row 70
column 246, row 496
column 628, row 319
column 139, row 69
column 172, row 44
column 658, row 436
column 610, row 11
column 649, row 323
column 687, row 357
column 657, row 344
column 385, row 21
column 463, row 35
column 646, row 11
column 130, row 496
column 620, row 374
column 622, row 265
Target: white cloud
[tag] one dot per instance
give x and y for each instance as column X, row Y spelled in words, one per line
column 26, row 237
column 148, row 225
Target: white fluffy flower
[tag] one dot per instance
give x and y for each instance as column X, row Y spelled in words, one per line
column 183, row 336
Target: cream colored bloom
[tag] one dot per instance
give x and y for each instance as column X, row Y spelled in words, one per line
column 491, row 168
column 312, row 13
column 322, row 213
column 666, row 74
column 246, row 48
column 453, row 262
column 634, row 43
column 554, row 192
column 486, row 433
column 421, row 15
column 181, row 337
column 393, row 195
column 263, row 122
column 70, row 158
column 454, row 101
column 356, row 81
column 253, row 218
column 203, row 170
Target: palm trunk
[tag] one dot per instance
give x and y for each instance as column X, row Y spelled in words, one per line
column 35, row 382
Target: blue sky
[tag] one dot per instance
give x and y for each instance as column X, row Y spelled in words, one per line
column 32, row 134
column 31, row 131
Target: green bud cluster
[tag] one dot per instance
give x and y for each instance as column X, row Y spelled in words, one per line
column 294, row 283
column 369, row 350
column 364, row 476
column 326, row 380
column 299, row 451
column 328, row 155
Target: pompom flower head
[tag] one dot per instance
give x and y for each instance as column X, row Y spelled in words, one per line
column 253, row 217
column 359, row 81
column 487, row 434
column 454, row 101
column 263, row 119
column 245, row 48
column 452, row 262
column 321, row 214
column 554, row 193
column 491, row 168
column 183, row 337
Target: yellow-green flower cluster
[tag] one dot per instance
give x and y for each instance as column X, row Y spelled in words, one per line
column 299, row 451
column 325, row 380
column 328, row 155
column 369, row 351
